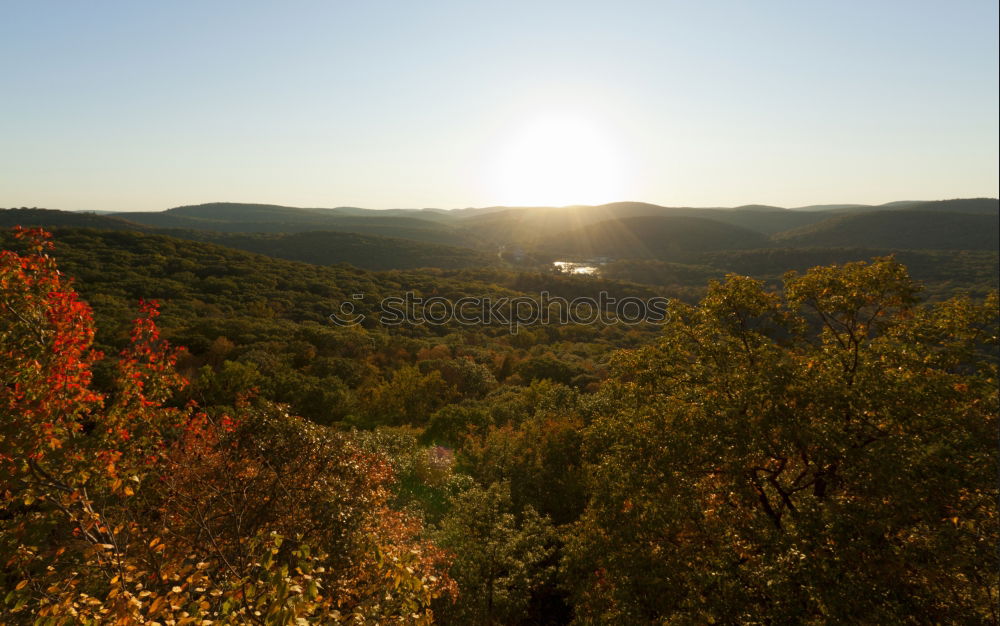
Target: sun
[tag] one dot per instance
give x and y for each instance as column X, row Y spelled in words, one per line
column 559, row 160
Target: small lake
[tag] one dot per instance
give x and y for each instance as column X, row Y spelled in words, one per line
column 569, row 267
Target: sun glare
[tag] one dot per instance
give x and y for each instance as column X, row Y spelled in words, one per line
column 558, row 161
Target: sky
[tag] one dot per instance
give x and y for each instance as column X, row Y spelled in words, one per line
column 124, row 105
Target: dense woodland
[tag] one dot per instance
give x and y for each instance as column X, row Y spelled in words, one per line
column 185, row 436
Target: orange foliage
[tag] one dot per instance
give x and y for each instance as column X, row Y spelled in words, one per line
column 119, row 508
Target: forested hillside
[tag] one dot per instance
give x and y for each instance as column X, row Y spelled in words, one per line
column 50, row 218
column 264, row 218
column 371, row 252
column 900, row 229
column 663, row 238
column 269, row 318
column 817, row 447
column 312, row 246
column 533, row 237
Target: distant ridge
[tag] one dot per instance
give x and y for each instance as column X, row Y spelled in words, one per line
column 657, row 237
column 318, row 247
column 49, row 217
column 759, row 207
column 901, row 229
column 985, row 206
column 230, row 217
column 370, row 252
column 617, row 229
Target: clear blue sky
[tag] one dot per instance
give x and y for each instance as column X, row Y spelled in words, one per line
column 148, row 105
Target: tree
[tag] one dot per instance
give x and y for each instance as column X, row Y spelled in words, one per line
column 501, row 559
column 408, row 397
column 119, row 508
column 540, row 458
column 825, row 455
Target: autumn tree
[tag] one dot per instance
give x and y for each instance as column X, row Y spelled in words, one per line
column 824, row 454
column 408, row 396
column 503, row 561
column 538, row 453
column 120, row 508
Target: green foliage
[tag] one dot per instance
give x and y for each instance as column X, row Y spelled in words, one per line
column 540, row 458
column 654, row 272
column 407, row 397
column 368, row 251
column 452, row 423
column 546, row 367
column 503, row 561
column 271, row 316
column 425, row 480
column 943, row 273
column 826, row 456
column 817, row 448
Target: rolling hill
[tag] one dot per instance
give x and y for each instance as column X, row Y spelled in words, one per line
column 982, row 206
column 366, row 251
column 899, row 229
column 408, row 238
column 656, row 237
column 417, row 225
column 374, row 252
column 528, row 225
column 49, row 218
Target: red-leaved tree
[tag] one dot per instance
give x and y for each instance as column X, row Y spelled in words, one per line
column 116, row 507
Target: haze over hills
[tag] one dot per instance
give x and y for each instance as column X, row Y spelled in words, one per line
column 410, row 238
column 529, row 224
column 985, row 206
column 505, row 224
column 904, row 229
column 51, row 217
column 525, row 224
column 319, row 247
column 247, row 218
column 659, row 237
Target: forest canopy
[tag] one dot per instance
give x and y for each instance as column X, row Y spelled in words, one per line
column 819, row 450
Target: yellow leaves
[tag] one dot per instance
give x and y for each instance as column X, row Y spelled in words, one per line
column 21, row 585
column 157, row 605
